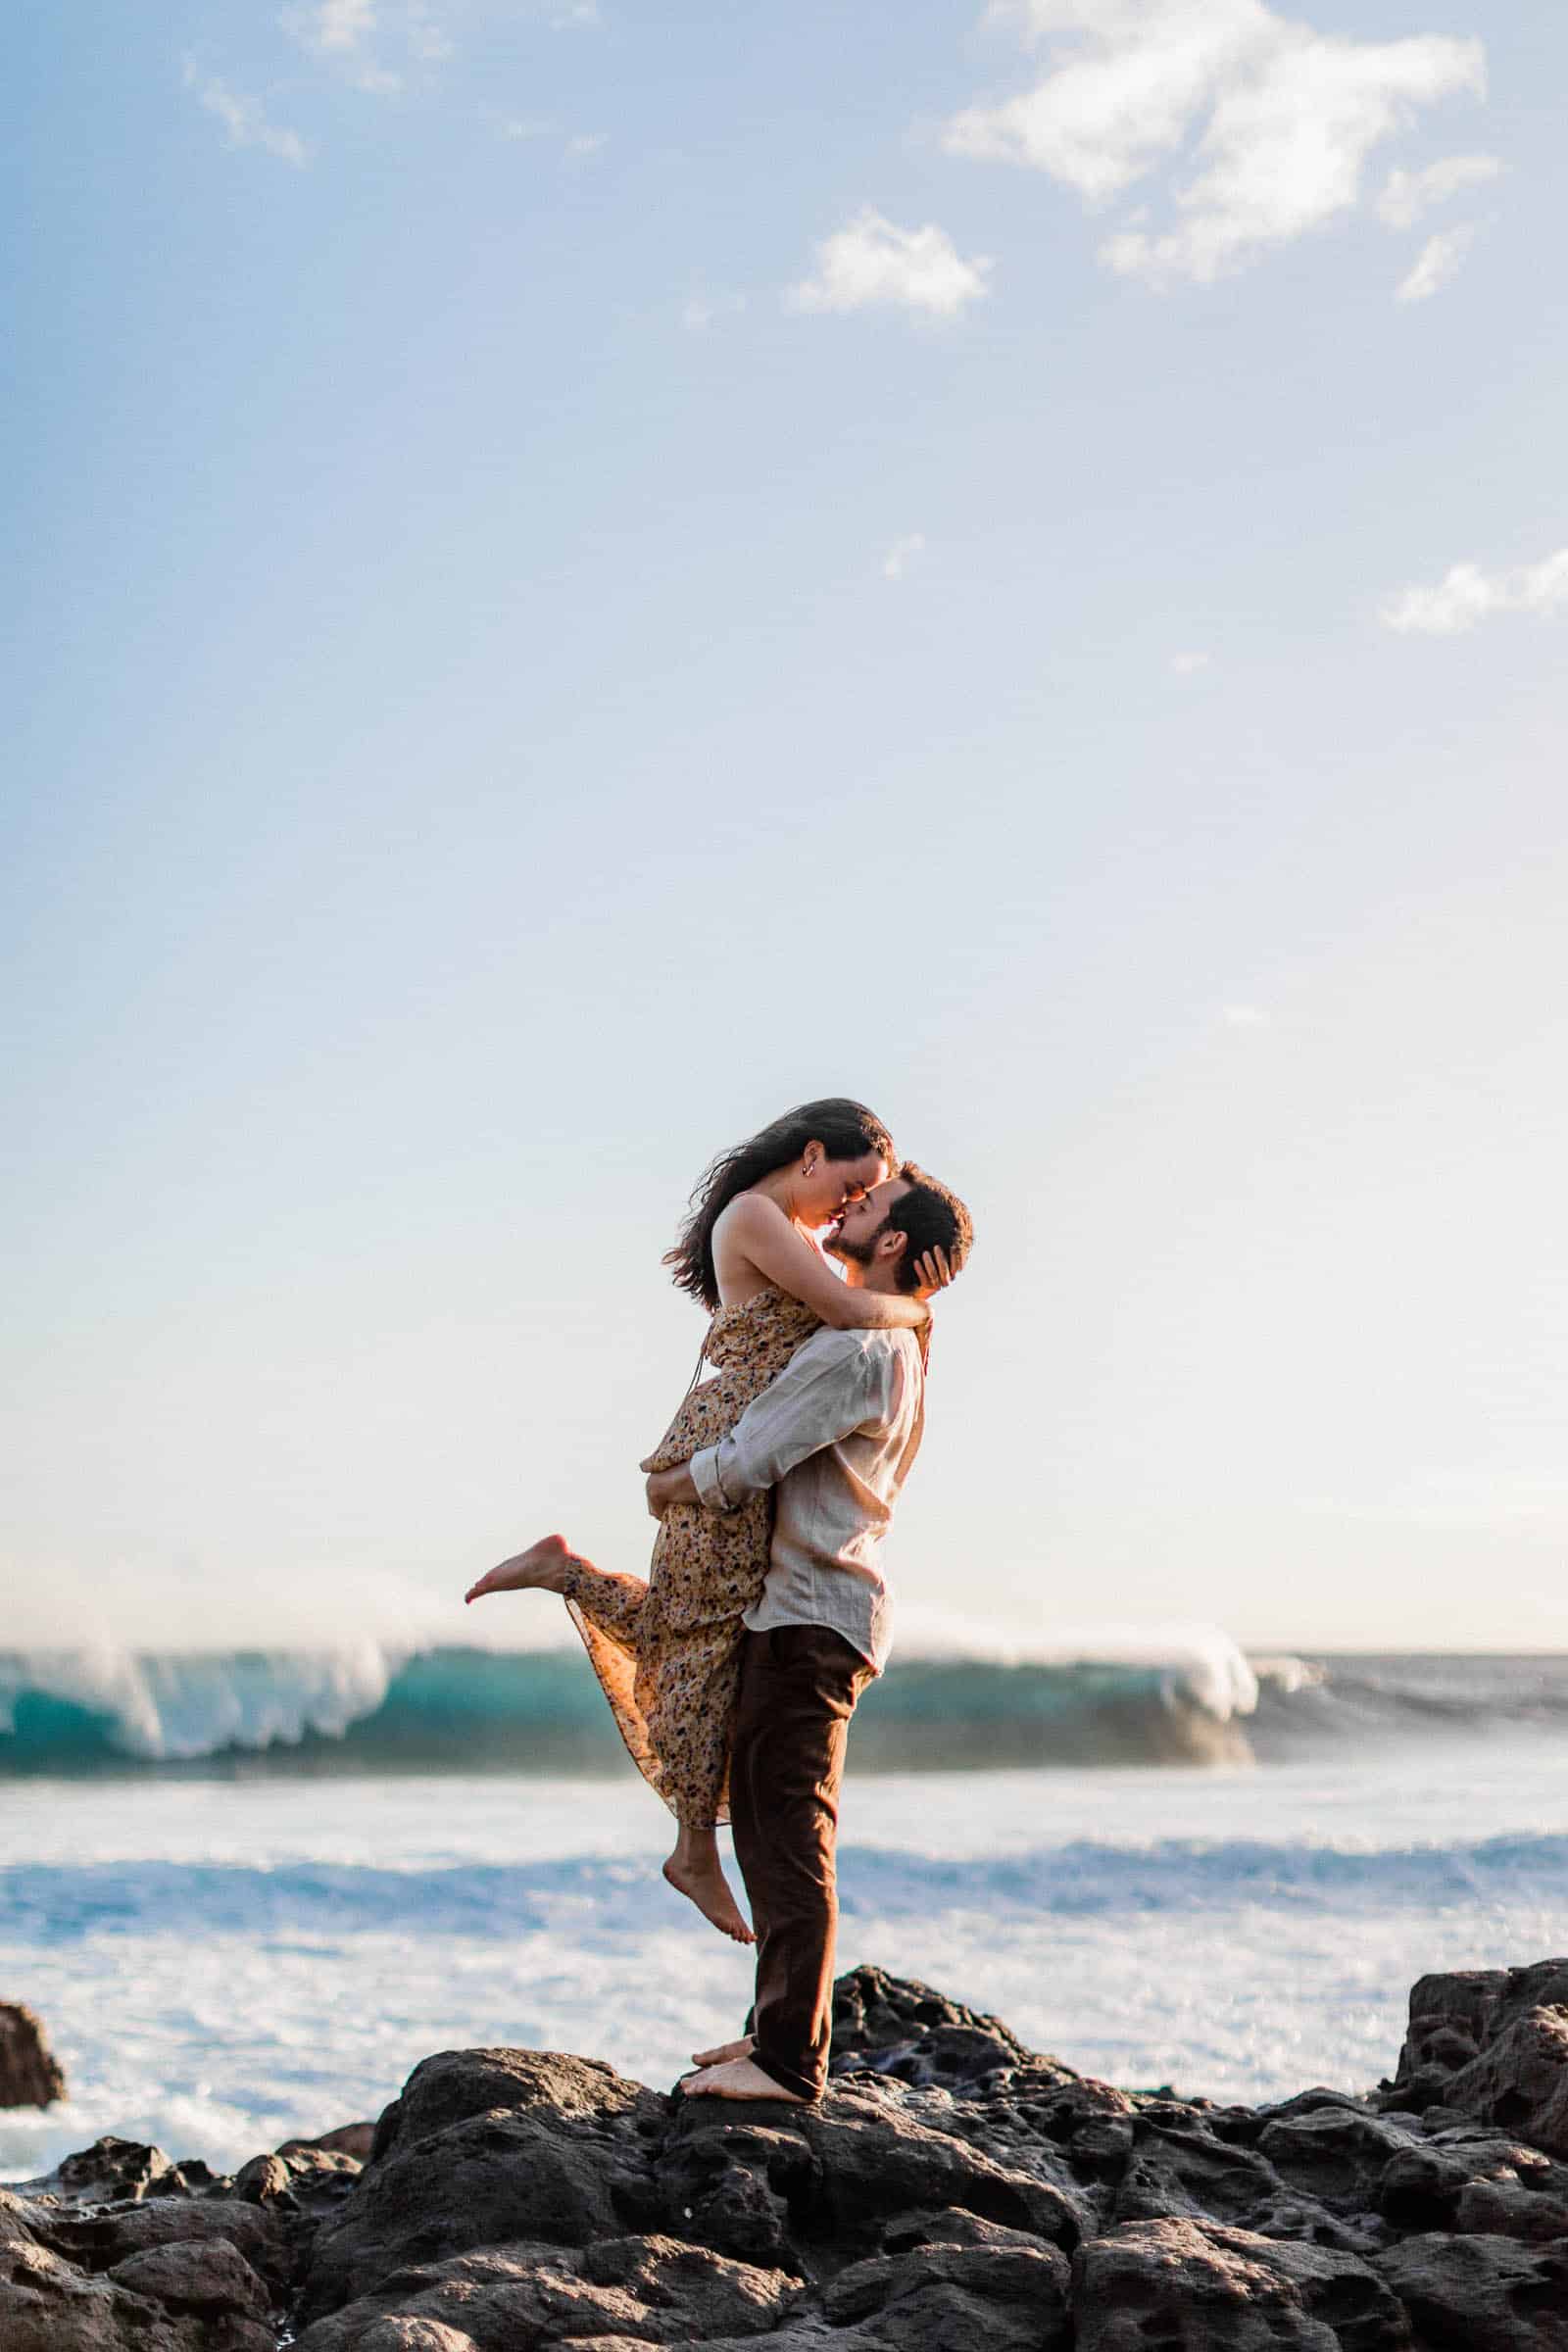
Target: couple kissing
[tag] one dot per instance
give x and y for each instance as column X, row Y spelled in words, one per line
column 733, row 1669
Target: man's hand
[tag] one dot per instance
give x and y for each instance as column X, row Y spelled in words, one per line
column 665, row 1487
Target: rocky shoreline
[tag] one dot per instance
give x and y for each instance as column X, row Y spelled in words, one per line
column 954, row 2191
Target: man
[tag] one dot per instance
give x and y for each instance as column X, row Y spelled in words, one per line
column 834, row 1435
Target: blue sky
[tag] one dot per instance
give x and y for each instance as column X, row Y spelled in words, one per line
column 587, row 573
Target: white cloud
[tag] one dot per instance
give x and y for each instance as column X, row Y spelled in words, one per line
column 585, row 143
column 901, row 553
column 1187, row 665
column 1440, row 257
column 340, row 32
column 1408, row 195
column 343, row 24
column 1105, row 114
column 1466, row 595
column 1277, row 121
column 243, row 118
column 872, row 261
column 1244, row 1017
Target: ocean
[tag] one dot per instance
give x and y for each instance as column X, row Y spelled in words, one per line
column 247, row 1893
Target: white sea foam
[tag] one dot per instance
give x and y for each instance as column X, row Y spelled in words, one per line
column 1287, row 1674
column 1203, row 1663
column 222, row 1964
column 196, row 1705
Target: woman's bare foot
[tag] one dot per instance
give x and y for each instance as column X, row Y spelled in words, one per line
column 536, row 1569
column 725, row 2051
column 739, row 2078
column 704, row 1885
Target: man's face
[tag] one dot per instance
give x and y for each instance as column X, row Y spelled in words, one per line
column 853, row 1235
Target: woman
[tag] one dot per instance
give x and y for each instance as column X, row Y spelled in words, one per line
column 667, row 1650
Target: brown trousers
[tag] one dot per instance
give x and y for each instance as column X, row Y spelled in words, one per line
column 799, row 1685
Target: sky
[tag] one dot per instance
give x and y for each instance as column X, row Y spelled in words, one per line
column 584, row 574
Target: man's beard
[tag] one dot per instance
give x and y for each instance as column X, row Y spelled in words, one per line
column 860, row 1253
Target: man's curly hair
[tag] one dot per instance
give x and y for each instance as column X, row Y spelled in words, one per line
column 933, row 1218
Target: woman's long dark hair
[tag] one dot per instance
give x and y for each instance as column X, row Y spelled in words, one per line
column 845, row 1130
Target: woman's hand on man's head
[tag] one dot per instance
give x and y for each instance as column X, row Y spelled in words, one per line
column 932, row 1272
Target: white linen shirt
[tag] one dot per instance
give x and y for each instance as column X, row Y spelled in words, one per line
column 836, row 1434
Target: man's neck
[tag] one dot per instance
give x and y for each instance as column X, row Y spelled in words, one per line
column 869, row 1278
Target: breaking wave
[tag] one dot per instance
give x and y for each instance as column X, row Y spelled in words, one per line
column 1186, row 1697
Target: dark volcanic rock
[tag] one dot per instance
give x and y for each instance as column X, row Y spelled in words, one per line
column 951, row 2283
column 899, row 2026
column 1192, row 2286
column 348, row 2139
column 1511, row 2209
column 198, row 2274
column 1060, row 2127
column 952, row 2193
column 881, row 2152
column 179, row 2298
column 1479, row 2183
column 509, row 2298
column 263, row 2181
column 47, row 2306
column 101, row 2240
column 1179, row 2167
column 1520, row 2079
column 1491, row 2043
column 319, row 2179
column 1336, row 2151
column 1420, row 2187
column 829, row 2180
column 112, row 2168
column 736, row 2186
column 485, row 2147
column 30, row 2075
column 1482, row 2294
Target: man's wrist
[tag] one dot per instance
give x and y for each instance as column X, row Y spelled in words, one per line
column 707, row 1487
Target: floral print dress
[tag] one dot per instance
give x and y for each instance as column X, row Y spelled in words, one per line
column 667, row 1650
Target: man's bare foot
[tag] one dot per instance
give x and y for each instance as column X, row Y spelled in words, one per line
column 739, row 2078
column 724, row 2051
column 708, row 1888
column 536, row 1569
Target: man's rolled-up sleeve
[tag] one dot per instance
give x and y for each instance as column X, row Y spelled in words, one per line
column 818, row 1397
column 704, row 1468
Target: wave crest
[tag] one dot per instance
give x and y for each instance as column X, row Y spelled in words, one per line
column 172, row 1709
column 1174, row 1696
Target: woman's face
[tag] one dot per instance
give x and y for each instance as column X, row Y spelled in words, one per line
column 834, row 1184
